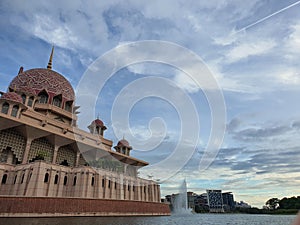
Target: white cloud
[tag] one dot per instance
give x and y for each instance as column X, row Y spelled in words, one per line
column 249, row 48
column 185, row 82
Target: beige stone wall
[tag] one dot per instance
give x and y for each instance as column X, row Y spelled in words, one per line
column 45, row 179
column 11, row 138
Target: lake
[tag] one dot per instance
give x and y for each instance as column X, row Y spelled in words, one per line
column 199, row 219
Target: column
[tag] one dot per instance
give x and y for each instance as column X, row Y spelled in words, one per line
column 121, row 187
column 77, row 158
column 55, row 154
column 27, row 149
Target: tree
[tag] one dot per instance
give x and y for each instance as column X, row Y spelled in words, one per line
column 272, row 203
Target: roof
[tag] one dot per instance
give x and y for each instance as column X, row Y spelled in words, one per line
column 12, row 96
column 34, row 81
column 123, row 143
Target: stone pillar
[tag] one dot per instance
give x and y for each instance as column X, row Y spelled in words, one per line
column 153, row 198
column 121, row 187
column 131, row 192
column 27, row 149
column 77, row 158
column 55, row 154
column 158, row 193
column 138, row 190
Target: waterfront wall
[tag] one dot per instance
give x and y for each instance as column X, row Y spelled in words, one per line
column 51, row 207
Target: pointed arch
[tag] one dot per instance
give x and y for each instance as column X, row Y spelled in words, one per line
column 5, row 107
column 43, row 97
column 57, row 100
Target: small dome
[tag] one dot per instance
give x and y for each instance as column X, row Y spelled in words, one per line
column 123, row 143
column 12, row 96
column 34, row 81
column 99, row 122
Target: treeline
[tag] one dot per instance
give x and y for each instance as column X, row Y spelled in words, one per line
column 289, row 203
column 275, row 206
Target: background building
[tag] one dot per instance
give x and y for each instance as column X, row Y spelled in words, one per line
column 215, row 201
column 228, row 201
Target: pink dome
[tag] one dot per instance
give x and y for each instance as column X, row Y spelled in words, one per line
column 34, row 81
column 99, row 122
column 123, row 143
column 12, row 96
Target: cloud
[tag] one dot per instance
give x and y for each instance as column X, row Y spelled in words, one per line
column 249, row 48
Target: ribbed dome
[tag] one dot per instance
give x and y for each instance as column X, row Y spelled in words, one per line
column 12, row 96
column 34, row 81
column 123, row 143
column 99, row 122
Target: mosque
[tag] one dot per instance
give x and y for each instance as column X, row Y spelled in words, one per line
column 50, row 167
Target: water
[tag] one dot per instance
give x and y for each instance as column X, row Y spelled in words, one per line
column 193, row 219
column 180, row 201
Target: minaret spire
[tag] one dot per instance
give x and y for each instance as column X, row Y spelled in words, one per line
column 49, row 67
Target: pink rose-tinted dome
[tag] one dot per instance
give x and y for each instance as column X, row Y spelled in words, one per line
column 12, row 96
column 123, row 143
column 34, row 81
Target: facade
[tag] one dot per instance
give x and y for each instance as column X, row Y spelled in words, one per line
column 228, row 201
column 44, row 154
column 215, row 201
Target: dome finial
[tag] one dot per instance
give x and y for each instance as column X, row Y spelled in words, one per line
column 49, row 67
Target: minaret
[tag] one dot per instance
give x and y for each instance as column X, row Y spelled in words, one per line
column 97, row 127
column 123, row 147
column 49, row 67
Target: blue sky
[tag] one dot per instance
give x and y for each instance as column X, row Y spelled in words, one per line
column 256, row 68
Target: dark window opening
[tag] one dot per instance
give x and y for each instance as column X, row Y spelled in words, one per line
column 23, row 98
column 65, row 180
column 64, row 163
column 5, row 107
column 15, row 180
column 93, row 181
column 43, row 97
column 115, row 185
column 109, row 184
column 133, row 188
column 128, row 187
column 30, row 101
column 46, row 178
column 68, row 106
column 15, row 110
column 56, row 179
column 57, row 100
column 4, row 178
column 103, row 182
column 74, row 181
column 22, row 179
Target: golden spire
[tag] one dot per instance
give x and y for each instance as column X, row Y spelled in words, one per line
column 49, row 67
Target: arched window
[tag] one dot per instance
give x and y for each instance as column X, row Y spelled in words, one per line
column 15, row 110
column 57, row 100
column 46, row 178
column 74, row 181
column 30, row 101
column 65, row 180
column 23, row 98
column 56, row 179
column 5, row 107
column 4, row 178
column 43, row 97
column 68, row 106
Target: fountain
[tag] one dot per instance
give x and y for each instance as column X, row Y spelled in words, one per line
column 180, row 203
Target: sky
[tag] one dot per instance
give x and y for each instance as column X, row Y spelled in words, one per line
column 250, row 48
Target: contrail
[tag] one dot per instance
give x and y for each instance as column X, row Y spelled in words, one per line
column 267, row 17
